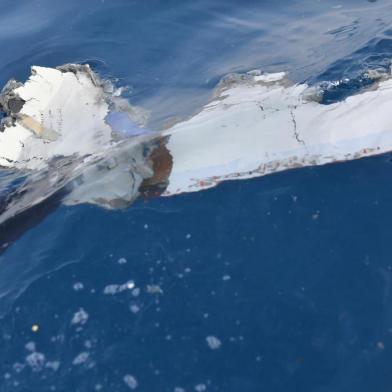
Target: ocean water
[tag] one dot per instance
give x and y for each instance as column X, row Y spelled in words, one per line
column 279, row 283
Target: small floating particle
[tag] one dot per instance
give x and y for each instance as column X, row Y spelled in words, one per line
column 81, row 358
column 134, row 308
column 35, row 328
column 213, row 342
column 118, row 288
column 130, row 381
column 200, row 388
column 35, row 361
column 316, row 215
column 80, row 317
column 78, row 286
column 154, row 289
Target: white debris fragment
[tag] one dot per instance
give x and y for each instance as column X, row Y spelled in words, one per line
column 261, row 124
column 122, row 260
column 154, row 289
column 112, row 289
column 81, row 358
column 130, row 381
column 257, row 124
column 213, row 342
column 80, row 317
column 36, row 361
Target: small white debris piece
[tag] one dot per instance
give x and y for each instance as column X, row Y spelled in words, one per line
column 122, row 260
column 130, row 285
column 213, row 342
column 130, row 381
column 179, row 389
column 112, row 289
column 188, row 236
column 36, row 361
column 80, row 317
column 154, row 289
column 225, row 278
column 81, row 358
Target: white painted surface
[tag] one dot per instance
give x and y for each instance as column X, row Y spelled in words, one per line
column 257, row 128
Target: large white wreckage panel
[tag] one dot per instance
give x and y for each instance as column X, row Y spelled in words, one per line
column 261, row 124
column 255, row 124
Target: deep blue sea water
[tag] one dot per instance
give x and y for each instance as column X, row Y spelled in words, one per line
column 280, row 283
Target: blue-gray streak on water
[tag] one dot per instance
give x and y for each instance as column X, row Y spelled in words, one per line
column 171, row 54
column 291, row 273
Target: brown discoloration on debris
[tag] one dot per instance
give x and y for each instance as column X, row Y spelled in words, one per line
column 162, row 164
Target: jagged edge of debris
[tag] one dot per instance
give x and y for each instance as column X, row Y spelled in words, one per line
column 11, row 103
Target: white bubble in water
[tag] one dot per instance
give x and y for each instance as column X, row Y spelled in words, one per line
column 130, row 381
column 122, row 260
column 213, row 342
column 80, row 317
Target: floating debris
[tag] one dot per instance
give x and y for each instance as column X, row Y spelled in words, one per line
column 80, row 317
column 112, row 289
column 154, row 289
column 213, row 342
column 130, row 381
column 81, row 358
